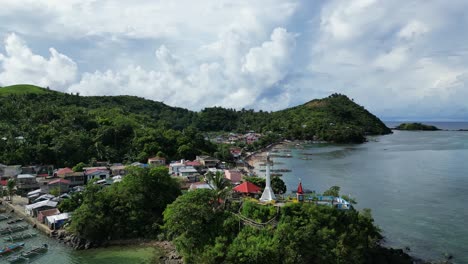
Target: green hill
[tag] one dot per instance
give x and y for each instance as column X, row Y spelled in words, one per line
column 416, row 127
column 23, row 89
column 48, row 127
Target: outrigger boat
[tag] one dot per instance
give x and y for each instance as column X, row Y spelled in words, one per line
column 4, row 217
column 13, row 229
column 15, row 221
column 11, row 248
column 28, row 255
column 19, row 237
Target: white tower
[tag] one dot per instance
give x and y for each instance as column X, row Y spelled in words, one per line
column 268, row 195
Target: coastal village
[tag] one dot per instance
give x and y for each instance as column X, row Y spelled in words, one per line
column 33, row 193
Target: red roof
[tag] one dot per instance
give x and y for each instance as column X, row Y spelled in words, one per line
column 4, row 182
column 59, row 181
column 247, row 187
column 64, row 171
column 193, row 163
column 299, row 189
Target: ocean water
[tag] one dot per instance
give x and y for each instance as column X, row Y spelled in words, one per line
column 415, row 183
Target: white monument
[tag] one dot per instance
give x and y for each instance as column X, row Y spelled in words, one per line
column 268, row 195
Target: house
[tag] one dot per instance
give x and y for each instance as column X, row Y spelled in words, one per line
column 196, row 164
column 62, row 172
column 9, row 172
column 35, row 208
column 55, row 222
column 96, row 173
column 32, row 195
column 62, row 184
column 44, row 197
column 75, row 178
column 190, row 173
column 139, row 164
column 156, row 161
column 118, row 169
column 29, row 170
column 176, row 166
column 44, row 213
column 234, row 176
column 207, row 161
column 235, row 152
column 26, row 183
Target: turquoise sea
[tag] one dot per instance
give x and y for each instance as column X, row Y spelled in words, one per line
column 416, row 184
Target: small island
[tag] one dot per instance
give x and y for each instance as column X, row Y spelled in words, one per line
column 416, row 127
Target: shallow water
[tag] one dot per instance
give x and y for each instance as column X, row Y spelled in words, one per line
column 416, row 184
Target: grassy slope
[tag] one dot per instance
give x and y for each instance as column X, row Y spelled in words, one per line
column 23, row 89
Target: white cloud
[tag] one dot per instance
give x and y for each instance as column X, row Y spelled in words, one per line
column 20, row 65
column 269, row 54
column 229, row 82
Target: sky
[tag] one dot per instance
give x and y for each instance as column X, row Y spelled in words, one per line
column 401, row 59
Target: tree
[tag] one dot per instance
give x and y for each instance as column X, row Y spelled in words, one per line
column 55, row 191
column 333, row 191
column 220, row 185
column 11, row 184
column 278, row 185
column 79, row 167
column 192, row 222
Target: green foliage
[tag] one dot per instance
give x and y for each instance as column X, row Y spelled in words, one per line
column 333, row 191
column 11, row 184
column 22, row 89
column 306, row 233
column 55, row 191
column 64, row 129
column 79, row 167
column 72, row 203
column 129, row 209
column 416, row 126
column 278, row 185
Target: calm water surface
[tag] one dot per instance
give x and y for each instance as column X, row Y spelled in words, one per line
column 416, row 184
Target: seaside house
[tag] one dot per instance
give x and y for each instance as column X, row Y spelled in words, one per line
column 75, row 178
column 32, row 195
column 234, row 176
column 55, row 222
column 9, row 172
column 35, row 208
column 44, row 197
column 190, row 173
column 44, row 213
column 176, row 166
column 156, row 161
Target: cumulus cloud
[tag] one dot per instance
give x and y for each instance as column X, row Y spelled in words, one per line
column 236, row 81
column 390, row 56
column 20, row 65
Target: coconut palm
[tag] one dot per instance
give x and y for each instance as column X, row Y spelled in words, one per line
column 219, row 184
column 11, row 188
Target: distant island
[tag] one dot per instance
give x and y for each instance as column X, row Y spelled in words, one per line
column 416, row 127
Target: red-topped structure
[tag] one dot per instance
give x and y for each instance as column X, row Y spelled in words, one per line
column 247, row 187
column 300, row 192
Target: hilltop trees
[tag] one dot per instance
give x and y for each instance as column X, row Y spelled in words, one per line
column 304, row 233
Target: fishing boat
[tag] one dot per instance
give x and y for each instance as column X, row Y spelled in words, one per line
column 4, row 217
column 15, row 221
column 11, row 248
column 19, row 237
column 28, row 255
column 13, row 229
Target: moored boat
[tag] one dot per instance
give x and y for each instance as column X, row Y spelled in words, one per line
column 15, row 221
column 19, row 237
column 30, row 254
column 13, row 229
column 4, row 217
column 11, row 248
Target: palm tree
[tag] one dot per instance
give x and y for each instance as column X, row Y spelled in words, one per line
column 11, row 187
column 219, row 184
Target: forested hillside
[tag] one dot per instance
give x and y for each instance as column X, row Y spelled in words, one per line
column 40, row 126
